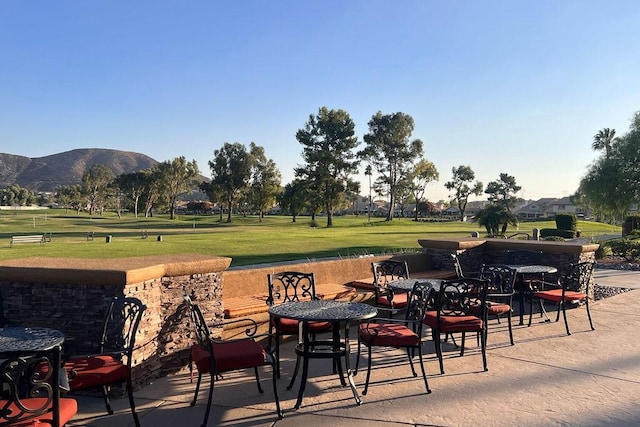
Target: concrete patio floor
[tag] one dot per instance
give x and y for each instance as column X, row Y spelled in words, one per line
column 591, row 378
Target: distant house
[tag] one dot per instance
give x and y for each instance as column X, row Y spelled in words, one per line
column 548, row 208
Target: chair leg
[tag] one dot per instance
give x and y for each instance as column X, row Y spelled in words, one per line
column 275, row 391
column 195, row 395
column 586, row 303
column 107, row 400
column 258, row 380
column 484, row 349
column 510, row 328
column 410, row 356
column 424, row 373
column 462, row 343
column 437, row 344
column 366, row 381
column 295, row 373
column 209, row 399
column 132, row 403
column 564, row 315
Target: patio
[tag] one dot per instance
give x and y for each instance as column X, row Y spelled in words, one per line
column 590, row 378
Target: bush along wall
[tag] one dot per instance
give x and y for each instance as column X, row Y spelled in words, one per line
column 548, row 232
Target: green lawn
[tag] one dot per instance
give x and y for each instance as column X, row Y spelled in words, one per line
column 245, row 240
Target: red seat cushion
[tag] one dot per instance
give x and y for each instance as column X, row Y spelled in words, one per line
column 388, row 335
column 495, row 308
column 230, row 356
column 399, row 300
column 290, row 326
column 555, row 295
column 91, row 371
column 68, row 408
column 464, row 323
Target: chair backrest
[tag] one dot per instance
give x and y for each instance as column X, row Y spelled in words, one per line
column 459, row 297
column 418, row 303
column 28, row 385
column 522, row 257
column 203, row 334
column 457, row 266
column 388, row 270
column 502, row 278
column 578, row 277
column 121, row 325
column 289, row 286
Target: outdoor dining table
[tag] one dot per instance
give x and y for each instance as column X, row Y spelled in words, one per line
column 340, row 314
column 406, row 285
column 522, row 272
column 21, row 343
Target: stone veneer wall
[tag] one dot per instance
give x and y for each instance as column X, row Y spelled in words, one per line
column 165, row 333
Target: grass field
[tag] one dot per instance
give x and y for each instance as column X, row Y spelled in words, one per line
column 245, row 240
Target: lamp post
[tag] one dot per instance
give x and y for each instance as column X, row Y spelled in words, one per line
column 367, row 171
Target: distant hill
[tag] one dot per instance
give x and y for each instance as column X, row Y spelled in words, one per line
column 47, row 173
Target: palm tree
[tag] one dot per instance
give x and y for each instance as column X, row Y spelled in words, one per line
column 603, row 140
column 495, row 219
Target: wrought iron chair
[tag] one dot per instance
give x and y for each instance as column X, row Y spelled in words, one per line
column 460, row 273
column 215, row 357
column 502, row 280
column 383, row 273
column 573, row 287
column 29, row 390
column 291, row 286
column 107, row 367
column 460, row 307
column 398, row 333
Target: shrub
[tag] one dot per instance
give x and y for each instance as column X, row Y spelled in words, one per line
column 630, row 224
column 313, row 223
column 603, row 251
column 554, row 238
column 627, row 248
column 566, row 222
column 565, row 234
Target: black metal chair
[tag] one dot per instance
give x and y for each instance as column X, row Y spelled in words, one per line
column 398, row 333
column 502, row 281
column 107, row 367
column 460, row 307
column 384, row 272
column 291, row 286
column 215, row 357
column 30, row 389
column 460, row 272
column 572, row 288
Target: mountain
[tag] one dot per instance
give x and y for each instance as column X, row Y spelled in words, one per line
column 47, row 173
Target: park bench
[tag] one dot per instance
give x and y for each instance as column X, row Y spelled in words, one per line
column 35, row 238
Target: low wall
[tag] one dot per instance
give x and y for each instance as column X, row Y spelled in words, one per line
column 72, row 295
column 473, row 252
column 251, row 280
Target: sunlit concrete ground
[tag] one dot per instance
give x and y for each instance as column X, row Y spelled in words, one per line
column 591, row 378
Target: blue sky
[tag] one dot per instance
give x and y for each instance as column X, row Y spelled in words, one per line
column 502, row 86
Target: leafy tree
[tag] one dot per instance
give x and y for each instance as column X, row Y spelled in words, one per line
column 612, row 183
column 215, row 194
column 265, row 180
column 96, row 186
column 152, row 189
column 133, row 185
column 177, row 177
column 329, row 140
column 463, row 185
column 604, row 140
column 70, row 196
column 390, row 150
column 231, row 172
column 293, row 199
column 418, row 177
column 503, row 191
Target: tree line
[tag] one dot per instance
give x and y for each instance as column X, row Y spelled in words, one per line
column 246, row 180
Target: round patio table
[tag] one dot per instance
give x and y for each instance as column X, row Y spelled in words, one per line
column 529, row 270
column 340, row 314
